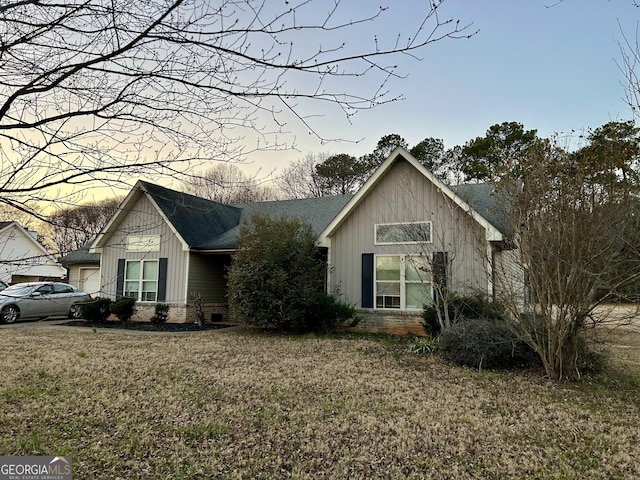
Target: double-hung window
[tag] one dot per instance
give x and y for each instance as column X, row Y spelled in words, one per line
column 141, row 280
column 402, row 282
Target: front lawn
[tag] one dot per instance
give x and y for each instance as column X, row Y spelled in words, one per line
column 234, row 405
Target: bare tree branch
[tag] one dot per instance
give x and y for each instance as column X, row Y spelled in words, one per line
column 95, row 91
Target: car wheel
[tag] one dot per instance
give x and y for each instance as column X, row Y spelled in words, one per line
column 75, row 311
column 10, row 314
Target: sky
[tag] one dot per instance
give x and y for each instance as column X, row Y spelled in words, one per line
column 552, row 66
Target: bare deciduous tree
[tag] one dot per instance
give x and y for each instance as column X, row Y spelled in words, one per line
column 578, row 243
column 226, row 183
column 72, row 228
column 100, row 90
column 301, row 180
column 11, row 214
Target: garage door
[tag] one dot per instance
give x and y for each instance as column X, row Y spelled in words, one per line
column 89, row 280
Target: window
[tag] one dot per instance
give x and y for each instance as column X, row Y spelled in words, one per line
column 141, row 280
column 143, row 243
column 62, row 288
column 45, row 289
column 402, row 233
column 402, row 282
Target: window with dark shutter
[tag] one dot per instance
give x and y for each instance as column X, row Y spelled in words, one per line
column 367, row 280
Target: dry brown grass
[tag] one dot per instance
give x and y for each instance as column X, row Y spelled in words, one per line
column 234, row 405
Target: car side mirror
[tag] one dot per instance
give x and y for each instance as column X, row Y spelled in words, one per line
column 36, row 294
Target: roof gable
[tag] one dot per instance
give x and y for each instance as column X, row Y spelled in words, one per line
column 26, row 255
column 28, row 236
column 491, row 231
column 203, row 224
column 197, row 220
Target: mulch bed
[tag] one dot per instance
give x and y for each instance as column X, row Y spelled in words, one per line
column 149, row 327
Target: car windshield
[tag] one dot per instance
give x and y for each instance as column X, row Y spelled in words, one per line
column 17, row 290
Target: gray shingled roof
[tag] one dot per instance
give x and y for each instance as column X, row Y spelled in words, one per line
column 208, row 225
column 196, row 219
column 81, row 255
column 317, row 211
column 483, row 198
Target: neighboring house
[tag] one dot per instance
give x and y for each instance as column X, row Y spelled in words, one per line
column 83, row 270
column 23, row 258
column 382, row 244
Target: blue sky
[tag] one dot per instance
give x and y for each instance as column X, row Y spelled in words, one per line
column 551, row 68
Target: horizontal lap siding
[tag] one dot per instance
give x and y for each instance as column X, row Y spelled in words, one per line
column 144, row 219
column 207, row 276
column 405, row 195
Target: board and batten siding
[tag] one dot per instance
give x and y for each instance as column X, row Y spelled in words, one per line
column 405, row 195
column 144, row 219
column 208, row 276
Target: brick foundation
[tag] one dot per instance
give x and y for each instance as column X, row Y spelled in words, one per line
column 398, row 323
column 181, row 313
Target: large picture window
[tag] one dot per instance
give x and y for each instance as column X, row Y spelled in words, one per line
column 141, row 280
column 402, row 233
column 402, row 282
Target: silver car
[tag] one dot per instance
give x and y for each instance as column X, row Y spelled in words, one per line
column 40, row 300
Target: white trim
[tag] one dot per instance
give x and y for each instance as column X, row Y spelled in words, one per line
column 187, row 271
column 185, row 245
column 491, row 232
column 413, row 242
column 53, row 263
column 403, row 283
column 141, row 280
column 123, row 210
column 143, row 243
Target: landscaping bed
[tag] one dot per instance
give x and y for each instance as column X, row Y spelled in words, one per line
column 149, row 327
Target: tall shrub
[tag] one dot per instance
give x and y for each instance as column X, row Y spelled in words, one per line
column 276, row 274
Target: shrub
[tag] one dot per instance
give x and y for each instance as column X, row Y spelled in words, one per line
column 328, row 314
column 123, row 308
column 423, row 346
column 162, row 313
column 460, row 307
column 98, row 310
column 485, row 343
column 276, row 273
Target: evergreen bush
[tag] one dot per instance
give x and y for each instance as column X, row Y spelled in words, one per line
column 328, row 314
column 161, row 314
column 276, row 274
column 98, row 310
column 123, row 308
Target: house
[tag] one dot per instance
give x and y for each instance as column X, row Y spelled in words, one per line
column 405, row 229
column 164, row 246
column 23, row 258
column 384, row 245
column 83, row 269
